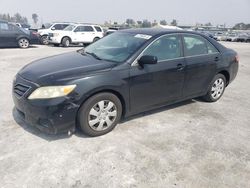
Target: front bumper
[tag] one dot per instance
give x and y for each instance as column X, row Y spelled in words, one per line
column 51, row 115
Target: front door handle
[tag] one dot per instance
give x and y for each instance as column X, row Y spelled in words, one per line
column 180, row 67
column 216, row 59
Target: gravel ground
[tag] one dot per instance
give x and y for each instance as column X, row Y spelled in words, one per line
column 190, row 144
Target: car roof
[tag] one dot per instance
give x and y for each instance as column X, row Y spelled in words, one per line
column 157, row 31
column 3, row 21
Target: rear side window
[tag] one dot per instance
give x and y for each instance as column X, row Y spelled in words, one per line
column 211, row 49
column 98, row 29
column 4, row 27
column 60, row 26
column 165, row 48
column 88, row 28
column 196, row 45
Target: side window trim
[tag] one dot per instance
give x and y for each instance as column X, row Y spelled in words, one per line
column 178, row 35
column 204, row 39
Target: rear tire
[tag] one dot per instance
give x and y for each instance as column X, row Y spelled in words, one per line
column 216, row 89
column 96, row 39
column 23, row 43
column 66, row 42
column 100, row 114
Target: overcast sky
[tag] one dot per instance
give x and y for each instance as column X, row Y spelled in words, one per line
column 98, row 11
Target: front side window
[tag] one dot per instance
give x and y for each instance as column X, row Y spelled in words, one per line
column 165, row 48
column 79, row 29
column 69, row 28
column 196, row 45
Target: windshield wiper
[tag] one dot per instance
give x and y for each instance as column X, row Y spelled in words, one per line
column 94, row 55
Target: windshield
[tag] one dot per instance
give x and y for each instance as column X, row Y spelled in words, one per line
column 117, row 47
column 69, row 28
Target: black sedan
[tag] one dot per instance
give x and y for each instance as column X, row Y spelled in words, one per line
column 125, row 73
column 13, row 36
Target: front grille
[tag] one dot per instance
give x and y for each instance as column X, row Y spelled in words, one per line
column 20, row 89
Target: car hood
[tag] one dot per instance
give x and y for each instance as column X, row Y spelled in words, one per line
column 63, row 67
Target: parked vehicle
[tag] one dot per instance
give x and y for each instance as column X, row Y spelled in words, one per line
column 44, row 32
column 12, row 35
column 220, row 36
column 232, row 37
column 111, row 30
column 75, row 34
column 23, row 25
column 122, row 74
column 242, row 38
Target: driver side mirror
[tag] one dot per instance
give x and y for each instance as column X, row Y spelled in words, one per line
column 53, row 28
column 147, row 59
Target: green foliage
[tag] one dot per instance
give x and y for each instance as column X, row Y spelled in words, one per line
column 16, row 18
column 241, row 26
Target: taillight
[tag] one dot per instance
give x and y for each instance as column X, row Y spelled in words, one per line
column 35, row 33
column 237, row 59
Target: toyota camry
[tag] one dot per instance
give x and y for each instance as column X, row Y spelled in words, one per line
column 125, row 73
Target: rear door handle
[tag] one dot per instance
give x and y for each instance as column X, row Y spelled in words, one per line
column 180, row 67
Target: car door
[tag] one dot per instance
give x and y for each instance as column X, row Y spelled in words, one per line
column 161, row 82
column 7, row 37
column 201, row 59
column 89, row 34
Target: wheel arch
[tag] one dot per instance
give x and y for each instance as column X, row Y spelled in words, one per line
column 226, row 74
column 23, row 37
column 66, row 37
column 112, row 91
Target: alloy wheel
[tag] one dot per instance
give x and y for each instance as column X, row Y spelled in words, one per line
column 217, row 88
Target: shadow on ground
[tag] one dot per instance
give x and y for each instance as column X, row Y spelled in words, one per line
column 16, row 47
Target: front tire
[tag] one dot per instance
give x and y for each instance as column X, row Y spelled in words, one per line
column 100, row 114
column 66, row 42
column 216, row 89
column 45, row 39
column 23, row 43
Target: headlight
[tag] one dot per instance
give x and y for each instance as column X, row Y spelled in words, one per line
column 49, row 92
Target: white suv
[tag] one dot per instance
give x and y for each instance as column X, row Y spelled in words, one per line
column 44, row 32
column 76, row 34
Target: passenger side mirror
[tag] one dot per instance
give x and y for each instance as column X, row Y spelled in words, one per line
column 147, row 59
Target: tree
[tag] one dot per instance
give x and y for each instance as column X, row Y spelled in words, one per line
column 35, row 18
column 208, row 24
column 130, row 22
column 146, row 23
column 163, row 22
column 139, row 22
column 16, row 18
column 174, row 22
column 241, row 26
column 155, row 23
